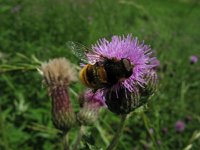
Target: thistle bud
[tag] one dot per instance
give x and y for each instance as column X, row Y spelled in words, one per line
column 92, row 102
column 150, row 87
column 58, row 74
column 123, row 101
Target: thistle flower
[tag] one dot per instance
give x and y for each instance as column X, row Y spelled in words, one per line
column 180, row 126
column 91, row 103
column 193, row 59
column 58, row 74
column 131, row 92
column 140, row 56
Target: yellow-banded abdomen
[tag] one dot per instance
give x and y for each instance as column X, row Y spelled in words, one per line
column 93, row 76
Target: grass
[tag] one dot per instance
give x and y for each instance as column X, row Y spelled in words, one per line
column 36, row 31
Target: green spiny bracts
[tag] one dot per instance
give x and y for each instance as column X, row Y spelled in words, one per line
column 63, row 116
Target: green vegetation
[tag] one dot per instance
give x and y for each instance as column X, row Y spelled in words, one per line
column 35, row 31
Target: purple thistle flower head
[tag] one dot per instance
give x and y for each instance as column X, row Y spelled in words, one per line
column 180, row 126
column 121, row 96
column 193, row 59
column 92, row 102
column 95, row 98
column 139, row 54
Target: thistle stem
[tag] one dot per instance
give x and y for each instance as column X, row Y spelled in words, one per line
column 79, row 136
column 65, row 141
column 146, row 124
column 116, row 137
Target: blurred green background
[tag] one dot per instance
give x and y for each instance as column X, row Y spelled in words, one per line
column 35, row 31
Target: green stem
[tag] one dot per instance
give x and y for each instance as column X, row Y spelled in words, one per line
column 115, row 139
column 145, row 120
column 79, row 136
column 65, row 141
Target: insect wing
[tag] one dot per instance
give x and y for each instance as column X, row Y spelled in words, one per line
column 78, row 50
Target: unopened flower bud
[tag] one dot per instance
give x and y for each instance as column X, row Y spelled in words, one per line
column 58, row 74
column 149, row 88
column 93, row 101
column 62, row 112
column 124, row 101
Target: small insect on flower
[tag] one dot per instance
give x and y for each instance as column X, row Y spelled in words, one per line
column 105, row 72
